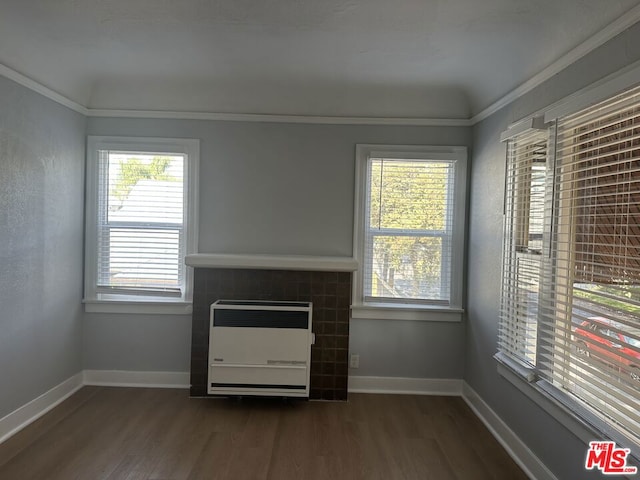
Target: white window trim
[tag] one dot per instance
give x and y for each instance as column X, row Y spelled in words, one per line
column 95, row 302
column 410, row 311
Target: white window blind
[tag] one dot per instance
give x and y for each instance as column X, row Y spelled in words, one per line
column 524, row 224
column 408, row 230
column 571, row 297
column 140, row 223
column 590, row 313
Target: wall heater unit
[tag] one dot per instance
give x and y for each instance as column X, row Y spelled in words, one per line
column 260, row 348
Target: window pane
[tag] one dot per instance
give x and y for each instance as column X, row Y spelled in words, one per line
column 140, row 237
column 141, row 257
column 408, row 268
column 407, row 194
column 145, row 188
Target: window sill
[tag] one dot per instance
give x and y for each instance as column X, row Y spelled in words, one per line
column 575, row 418
column 421, row 313
column 138, row 306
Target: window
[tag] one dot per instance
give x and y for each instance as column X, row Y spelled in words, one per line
column 409, row 226
column 141, row 219
column 571, row 306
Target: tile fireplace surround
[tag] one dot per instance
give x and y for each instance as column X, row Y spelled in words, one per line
column 324, row 281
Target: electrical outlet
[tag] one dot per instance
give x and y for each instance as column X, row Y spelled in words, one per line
column 354, row 361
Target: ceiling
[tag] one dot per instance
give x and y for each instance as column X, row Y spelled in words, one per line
column 376, row 58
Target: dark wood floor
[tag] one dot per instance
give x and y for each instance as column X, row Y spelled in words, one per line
column 122, row 433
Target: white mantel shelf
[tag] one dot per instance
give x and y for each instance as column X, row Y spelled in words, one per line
column 272, row 262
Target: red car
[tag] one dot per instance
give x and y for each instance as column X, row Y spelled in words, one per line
column 610, row 342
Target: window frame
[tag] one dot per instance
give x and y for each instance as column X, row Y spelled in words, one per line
column 410, row 309
column 530, row 379
column 94, row 301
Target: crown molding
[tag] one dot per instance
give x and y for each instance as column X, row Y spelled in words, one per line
column 614, row 28
column 273, row 118
column 42, row 90
column 229, row 117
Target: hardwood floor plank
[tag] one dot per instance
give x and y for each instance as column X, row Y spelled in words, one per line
column 105, row 433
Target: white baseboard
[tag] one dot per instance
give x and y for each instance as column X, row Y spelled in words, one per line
column 521, row 454
column 405, row 386
column 516, row 448
column 126, row 378
column 30, row 412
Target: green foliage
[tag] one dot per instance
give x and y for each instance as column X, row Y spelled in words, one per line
column 408, row 196
column 612, row 296
column 133, row 170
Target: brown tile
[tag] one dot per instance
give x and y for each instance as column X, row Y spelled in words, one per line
column 343, row 290
column 344, row 277
column 342, row 316
column 290, row 291
column 328, row 382
column 342, row 302
column 318, row 277
column 329, row 328
column 329, row 341
column 328, row 355
column 341, row 383
column 331, row 289
column 302, row 276
column 316, row 352
column 317, row 288
column 341, row 355
column 304, row 289
column 318, row 301
column 328, row 368
column 330, row 314
column 330, row 301
column 342, row 369
column 341, row 328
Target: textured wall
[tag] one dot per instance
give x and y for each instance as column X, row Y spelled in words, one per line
column 41, row 235
column 278, row 189
column 556, row 446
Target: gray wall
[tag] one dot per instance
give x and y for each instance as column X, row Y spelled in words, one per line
column 277, row 189
column 558, row 448
column 160, row 343
column 41, row 242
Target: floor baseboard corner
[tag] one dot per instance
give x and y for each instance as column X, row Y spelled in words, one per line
column 31, row 411
column 515, row 447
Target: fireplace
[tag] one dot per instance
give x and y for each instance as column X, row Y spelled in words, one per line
column 324, row 281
